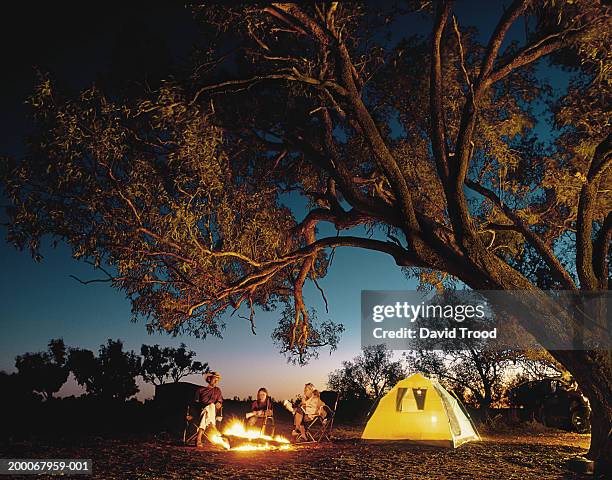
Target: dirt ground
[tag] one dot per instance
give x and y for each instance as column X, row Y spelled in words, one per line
column 538, row 455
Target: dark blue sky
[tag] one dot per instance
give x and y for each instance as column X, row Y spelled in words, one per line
column 40, row 301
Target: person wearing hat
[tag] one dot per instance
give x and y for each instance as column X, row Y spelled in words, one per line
column 211, row 399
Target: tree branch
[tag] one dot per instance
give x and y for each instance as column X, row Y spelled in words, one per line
column 254, row 279
column 560, row 273
column 438, row 135
column 296, row 12
column 365, row 121
column 292, row 74
column 600, row 162
column 601, row 248
column 335, row 167
column 508, row 18
column 533, row 52
column 458, row 208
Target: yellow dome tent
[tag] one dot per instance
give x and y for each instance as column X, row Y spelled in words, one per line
column 420, row 410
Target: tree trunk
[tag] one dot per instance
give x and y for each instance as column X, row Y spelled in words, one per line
column 592, row 369
column 484, row 411
column 484, row 404
column 593, row 372
column 601, row 436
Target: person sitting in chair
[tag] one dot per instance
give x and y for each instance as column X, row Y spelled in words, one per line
column 310, row 407
column 261, row 408
column 211, row 400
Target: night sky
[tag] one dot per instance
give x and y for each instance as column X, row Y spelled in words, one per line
column 40, row 301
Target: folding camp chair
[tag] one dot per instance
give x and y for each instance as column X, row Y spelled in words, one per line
column 320, row 428
column 191, row 427
column 268, row 420
column 192, row 423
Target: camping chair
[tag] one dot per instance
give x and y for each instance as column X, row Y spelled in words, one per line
column 320, row 428
column 268, row 420
column 191, row 427
column 192, row 423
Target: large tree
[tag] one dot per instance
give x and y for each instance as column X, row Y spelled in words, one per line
column 433, row 144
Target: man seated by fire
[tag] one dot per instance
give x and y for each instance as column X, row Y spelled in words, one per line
column 310, row 407
column 211, row 399
column 261, row 409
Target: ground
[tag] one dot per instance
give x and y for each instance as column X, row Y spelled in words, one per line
column 534, row 455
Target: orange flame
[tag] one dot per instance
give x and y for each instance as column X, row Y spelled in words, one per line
column 237, row 429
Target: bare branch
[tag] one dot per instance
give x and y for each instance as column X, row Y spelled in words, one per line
column 466, row 75
column 95, row 280
column 291, row 74
column 322, row 294
column 251, row 317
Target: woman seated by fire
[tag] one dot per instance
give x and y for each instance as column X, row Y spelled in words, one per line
column 261, row 409
column 211, row 399
column 310, row 407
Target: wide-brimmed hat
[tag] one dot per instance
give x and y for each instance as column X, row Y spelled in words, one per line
column 209, row 375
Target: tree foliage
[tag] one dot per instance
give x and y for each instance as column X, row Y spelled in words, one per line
column 160, row 364
column 481, row 377
column 44, row 372
column 367, row 376
column 109, row 376
column 478, row 370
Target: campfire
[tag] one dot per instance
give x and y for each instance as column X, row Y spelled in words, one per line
column 238, row 438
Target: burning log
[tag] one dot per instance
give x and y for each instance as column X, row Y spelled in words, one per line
column 237, row 437
column 237, row 442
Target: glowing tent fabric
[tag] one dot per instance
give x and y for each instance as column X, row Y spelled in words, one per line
column 420, row 410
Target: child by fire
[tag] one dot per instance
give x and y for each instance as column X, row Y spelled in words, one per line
column 211, row 399
column 310, row 407
column 260, row 408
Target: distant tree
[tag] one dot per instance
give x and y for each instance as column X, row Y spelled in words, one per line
column 155, row 364
column 477, row 375
column 539, row 364
column 183, row 363
column 111, row 375
column 368, row 375
column 15, row 391
column 159, row 364
column 86, row 370
column 44, row 372
column 477, row 370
